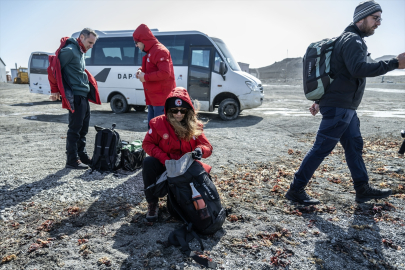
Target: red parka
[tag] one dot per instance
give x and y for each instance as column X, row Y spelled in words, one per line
column 158, row 67
column 161, row 141
column 56, row 82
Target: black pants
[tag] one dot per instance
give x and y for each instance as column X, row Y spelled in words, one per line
column 151, row 169
column 78, row 129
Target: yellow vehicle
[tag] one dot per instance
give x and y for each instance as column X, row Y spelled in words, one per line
column 22, row 76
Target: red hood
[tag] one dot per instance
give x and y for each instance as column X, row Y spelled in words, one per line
column 144, row 35
column 62, row 44
column 180, row 92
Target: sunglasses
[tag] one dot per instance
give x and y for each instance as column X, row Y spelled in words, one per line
column 175, row 111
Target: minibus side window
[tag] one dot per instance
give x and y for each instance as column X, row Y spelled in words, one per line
column 139, row 55
column 217, row 60
column 114, row 52
column 87, row 57
column 176, row 46
column 199, row 40
column 200, row 58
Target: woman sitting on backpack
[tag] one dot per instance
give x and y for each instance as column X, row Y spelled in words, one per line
column 170, row 136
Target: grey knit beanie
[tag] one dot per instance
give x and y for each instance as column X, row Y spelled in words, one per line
column 365, row 9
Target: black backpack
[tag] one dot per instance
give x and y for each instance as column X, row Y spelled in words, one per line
column 180, row 202
column 316, row 68
column 107, row 150
column 131, row 156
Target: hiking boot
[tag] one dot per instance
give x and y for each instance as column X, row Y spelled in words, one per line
column 366, row 193
column 153, row 211
column 77, row 166
column 301, row 197
column 85, row 160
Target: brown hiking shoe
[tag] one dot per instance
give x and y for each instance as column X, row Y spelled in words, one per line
column 153, row 211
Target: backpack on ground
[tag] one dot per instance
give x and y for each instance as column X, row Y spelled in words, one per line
column 107, row 150
column 316, row 68
column 184, row 203
column 180, row 198
column 132, row 155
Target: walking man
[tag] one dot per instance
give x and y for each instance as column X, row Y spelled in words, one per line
column 156, row 73
column 70, row 80
column 338, row 106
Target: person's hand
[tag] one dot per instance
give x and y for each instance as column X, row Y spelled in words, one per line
column 314, row 109
column 141, row 76
column 197, row 153
column 55, row 96
column 401, row 61
column 137, row 73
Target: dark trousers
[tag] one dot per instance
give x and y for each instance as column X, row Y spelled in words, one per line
column 151, row 169
column 78, row 129
column 154, row 111
column 337, row 124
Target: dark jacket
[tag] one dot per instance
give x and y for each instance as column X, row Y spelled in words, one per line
column 59, row 84
column 158, row 67
column 161, row 141
column 349, row 70
column 72, row 64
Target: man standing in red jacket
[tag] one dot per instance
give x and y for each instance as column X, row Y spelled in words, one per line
column 156, row 73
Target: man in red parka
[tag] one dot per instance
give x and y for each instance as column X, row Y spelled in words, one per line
column 156, row 73
column 70, row 81
column 170, row 136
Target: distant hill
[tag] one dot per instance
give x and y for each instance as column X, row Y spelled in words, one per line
column 291, row 68
column 285, row 69
column 385, row 57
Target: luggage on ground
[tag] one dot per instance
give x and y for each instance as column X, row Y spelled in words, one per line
column 107, row 150
column 192, row 196
column 211, row 216
column 132, row 155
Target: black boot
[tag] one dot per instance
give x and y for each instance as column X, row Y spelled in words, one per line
column 366, row 193
column 78, row 165
column 85, row 159
column 301, row 197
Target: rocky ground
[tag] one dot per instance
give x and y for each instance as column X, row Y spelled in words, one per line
column 56, row 218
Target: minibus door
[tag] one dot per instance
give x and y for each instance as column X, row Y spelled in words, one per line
column 199, row 75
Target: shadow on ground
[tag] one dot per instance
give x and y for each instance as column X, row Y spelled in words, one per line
column 26, row 191
column 136, row 121
column 358, row 247
column 28, row 104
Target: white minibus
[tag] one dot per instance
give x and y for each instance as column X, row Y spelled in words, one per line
column 38, row 76
column 203, row 65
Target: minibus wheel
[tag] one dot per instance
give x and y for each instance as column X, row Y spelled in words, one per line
column 119, row 104
column 140, row 108
column 228, row 109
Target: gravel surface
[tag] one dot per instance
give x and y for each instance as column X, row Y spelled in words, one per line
column 52, row 217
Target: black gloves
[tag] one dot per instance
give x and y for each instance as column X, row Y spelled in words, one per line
column 197, row 153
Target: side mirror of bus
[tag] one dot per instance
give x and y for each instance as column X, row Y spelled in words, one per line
column 222, row 69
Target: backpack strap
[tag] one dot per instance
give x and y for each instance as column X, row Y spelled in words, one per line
column 182, row 237
column 97, row 150
column 106, row 153
column 185, row 234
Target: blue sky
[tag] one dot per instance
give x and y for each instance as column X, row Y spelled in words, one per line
column 256, row 32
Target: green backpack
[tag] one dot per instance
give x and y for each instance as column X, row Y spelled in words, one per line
column 316, row 68
column 132, row 155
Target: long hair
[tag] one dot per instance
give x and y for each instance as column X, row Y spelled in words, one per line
column 190, row 126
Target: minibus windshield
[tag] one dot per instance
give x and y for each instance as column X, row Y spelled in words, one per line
column 228, row 56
